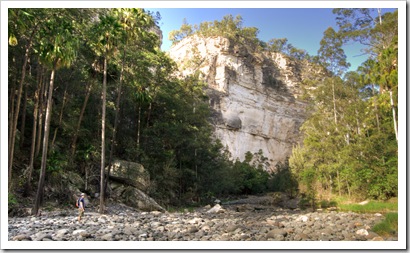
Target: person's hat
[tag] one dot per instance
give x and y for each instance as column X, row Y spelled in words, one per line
column 82, row 194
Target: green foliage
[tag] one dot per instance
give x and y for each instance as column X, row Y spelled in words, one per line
column 229, row 27
column 349, row 139
column 389, row 226
column 283, row 180
column 12, row 200
column 327, row 203
column 251, row 180
column 56, row 161
column 164, row 121
column 177, row 35
column 371, row 207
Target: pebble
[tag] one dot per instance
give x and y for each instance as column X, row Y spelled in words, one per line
column 127, row 224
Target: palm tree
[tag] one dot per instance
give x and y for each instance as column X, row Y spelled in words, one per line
column 106, row 32
column 27, row 23
column 57, row 49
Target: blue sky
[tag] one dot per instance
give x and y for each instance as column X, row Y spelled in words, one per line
column 303, row 27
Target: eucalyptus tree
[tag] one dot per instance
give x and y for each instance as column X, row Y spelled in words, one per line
column 368, row 79
column 57, row 48
column 332, row 56
column 278, row 45
column 386, row 68
column 177, row 35
column 379, row 34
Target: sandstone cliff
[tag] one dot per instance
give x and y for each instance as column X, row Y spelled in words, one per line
column 254, row 95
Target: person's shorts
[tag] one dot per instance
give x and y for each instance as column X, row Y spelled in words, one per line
column 80, row 212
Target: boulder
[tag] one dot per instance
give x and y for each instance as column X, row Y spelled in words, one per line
column 136, row 198
column 130, row 173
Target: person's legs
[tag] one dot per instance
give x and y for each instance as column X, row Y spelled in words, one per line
column 80, row 213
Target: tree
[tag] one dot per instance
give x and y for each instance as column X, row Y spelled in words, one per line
column 177, row 35
column 379, row 33
column 57, row 49
column 278, row 45
column 27, row 23
column 333, row 58
column 34, row 132
column 135, row 25
column 106, row 32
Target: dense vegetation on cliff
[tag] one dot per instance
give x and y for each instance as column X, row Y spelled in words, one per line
column 350, row 140
column 87, row 86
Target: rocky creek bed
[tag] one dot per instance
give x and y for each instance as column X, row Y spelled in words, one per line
column 230, row 223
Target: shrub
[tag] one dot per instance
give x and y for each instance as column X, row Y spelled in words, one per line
column 12, row 201
column 388, row 226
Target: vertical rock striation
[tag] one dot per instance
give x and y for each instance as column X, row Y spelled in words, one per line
column 254, row 95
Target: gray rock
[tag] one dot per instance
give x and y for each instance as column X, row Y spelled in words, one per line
column 22, row 237
column 193, row 229
column 107, row 237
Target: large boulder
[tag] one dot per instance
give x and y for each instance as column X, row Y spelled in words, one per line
column 134, row 197
column 128, row 183
column 130, row 173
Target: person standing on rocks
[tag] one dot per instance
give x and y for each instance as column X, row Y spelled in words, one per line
column 81, row 206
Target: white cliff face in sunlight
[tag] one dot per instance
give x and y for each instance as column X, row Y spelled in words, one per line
column 254, row 95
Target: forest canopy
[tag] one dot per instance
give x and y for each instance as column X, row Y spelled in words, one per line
column 87, row 86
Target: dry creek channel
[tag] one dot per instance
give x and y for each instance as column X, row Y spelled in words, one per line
column 219, row 223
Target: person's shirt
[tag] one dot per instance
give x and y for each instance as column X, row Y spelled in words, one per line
column 82, row 201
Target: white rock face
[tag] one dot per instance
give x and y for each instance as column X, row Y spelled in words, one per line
column 254, row 95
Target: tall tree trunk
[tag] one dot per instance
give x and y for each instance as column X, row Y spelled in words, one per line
column 348, row 188
column 334, row 102
column 338, row 183
column 12, row 98
column 80, row 119
column 104, row 91
column 23, row 116
column 40, row 189
column 149, row 113
column 138, row 125
column 43, row 98
column 117, row 113
column 357, row 122
column 376, row 111
column 34, row 132
column 396, row 131
column 12, row 136
column 60, row 118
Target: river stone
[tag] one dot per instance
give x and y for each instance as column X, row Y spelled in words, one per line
column 107, row 237
column 22, row 237
column 40, row 236
column 302, row 218
column 279, row 232
column 216, row 209
column 301, row 236
column 124, row 224
column 231, row 228
column 76, row 232
column 362, row 232
column 193, row 229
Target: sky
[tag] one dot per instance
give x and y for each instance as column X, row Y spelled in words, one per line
column 303, row 27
